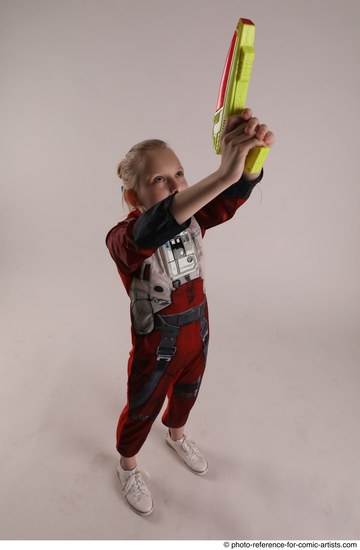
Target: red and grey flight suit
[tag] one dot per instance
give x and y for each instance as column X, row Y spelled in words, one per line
column 161, row 265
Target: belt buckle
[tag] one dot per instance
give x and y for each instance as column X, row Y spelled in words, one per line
column 163, row 352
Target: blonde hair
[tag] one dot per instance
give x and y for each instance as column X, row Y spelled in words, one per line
column 130, row 168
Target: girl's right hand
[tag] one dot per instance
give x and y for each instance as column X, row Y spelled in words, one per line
column 241, row 133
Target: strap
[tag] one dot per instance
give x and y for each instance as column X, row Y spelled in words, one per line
column 164, row 353
column 187, row 391
column 181, row 319
column 169, row 325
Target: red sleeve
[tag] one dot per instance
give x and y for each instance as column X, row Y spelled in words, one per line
column 224, row 206
column 133, row 240
column 219, row 210
column 120, row 242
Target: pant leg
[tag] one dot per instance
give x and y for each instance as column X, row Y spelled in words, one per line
column 135, row 423
column 184, row 390
column 181, row 377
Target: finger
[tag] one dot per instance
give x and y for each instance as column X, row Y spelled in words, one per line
column 269, row 139
column 261, row 131
column 251, row 126
column 247, row 142
column 237, row 132
column 232, row 122
column 246, row 114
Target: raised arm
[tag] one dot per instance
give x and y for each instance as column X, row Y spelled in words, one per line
column 241, row 133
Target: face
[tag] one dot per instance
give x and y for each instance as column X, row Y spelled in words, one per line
column 162, row 175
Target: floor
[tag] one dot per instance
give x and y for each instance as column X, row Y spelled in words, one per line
column 277, row 417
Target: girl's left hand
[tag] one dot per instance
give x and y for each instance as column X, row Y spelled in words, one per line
column 241, row 133
column 254, row 129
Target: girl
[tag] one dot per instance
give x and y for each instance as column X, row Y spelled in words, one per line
column 158, row 253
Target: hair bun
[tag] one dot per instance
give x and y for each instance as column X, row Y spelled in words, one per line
column 120, row 169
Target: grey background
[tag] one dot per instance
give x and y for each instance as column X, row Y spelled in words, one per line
column 82, row 81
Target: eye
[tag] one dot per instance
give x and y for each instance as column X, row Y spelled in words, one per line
column 158, row 179
column 180, row 174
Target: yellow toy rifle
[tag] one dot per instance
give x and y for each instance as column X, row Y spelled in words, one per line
column 233, row 89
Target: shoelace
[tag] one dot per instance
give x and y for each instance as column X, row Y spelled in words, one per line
column 138, row 482
column 189, row 449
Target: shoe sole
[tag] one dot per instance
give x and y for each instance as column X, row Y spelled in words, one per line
column 130, row 505
column 183, row 461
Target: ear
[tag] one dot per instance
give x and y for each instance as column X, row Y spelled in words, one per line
column 131, row 197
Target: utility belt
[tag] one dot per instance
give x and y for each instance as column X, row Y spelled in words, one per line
column 169, row 326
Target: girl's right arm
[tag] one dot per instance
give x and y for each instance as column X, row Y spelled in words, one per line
column 241, row 133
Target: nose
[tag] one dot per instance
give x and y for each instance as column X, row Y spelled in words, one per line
column 173, row 185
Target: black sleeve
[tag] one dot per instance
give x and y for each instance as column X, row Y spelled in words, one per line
column 223, row 207
column 157, row 225
column 242, row 189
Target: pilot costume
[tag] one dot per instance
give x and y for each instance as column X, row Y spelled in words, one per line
column 161, row 265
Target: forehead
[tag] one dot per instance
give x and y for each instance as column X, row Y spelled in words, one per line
column 160, row 160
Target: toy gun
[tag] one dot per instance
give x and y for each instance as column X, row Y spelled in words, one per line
column 234, row 87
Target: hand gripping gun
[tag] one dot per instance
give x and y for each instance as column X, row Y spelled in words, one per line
column 233, row 89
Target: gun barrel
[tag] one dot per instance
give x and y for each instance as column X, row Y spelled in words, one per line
column 234, row 87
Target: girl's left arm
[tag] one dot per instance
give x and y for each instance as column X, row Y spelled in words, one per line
column 224, row 206
column 241, row 133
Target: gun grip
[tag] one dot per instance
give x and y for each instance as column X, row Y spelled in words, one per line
column 255, row 159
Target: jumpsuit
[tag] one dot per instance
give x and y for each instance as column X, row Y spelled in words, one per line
column 160, row 263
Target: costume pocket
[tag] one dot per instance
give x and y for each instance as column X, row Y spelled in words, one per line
column 142, row 314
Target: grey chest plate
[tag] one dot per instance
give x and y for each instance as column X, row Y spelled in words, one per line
column 179, row 256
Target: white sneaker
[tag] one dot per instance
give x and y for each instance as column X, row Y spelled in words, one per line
column 135, row 490
column 190, row 454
